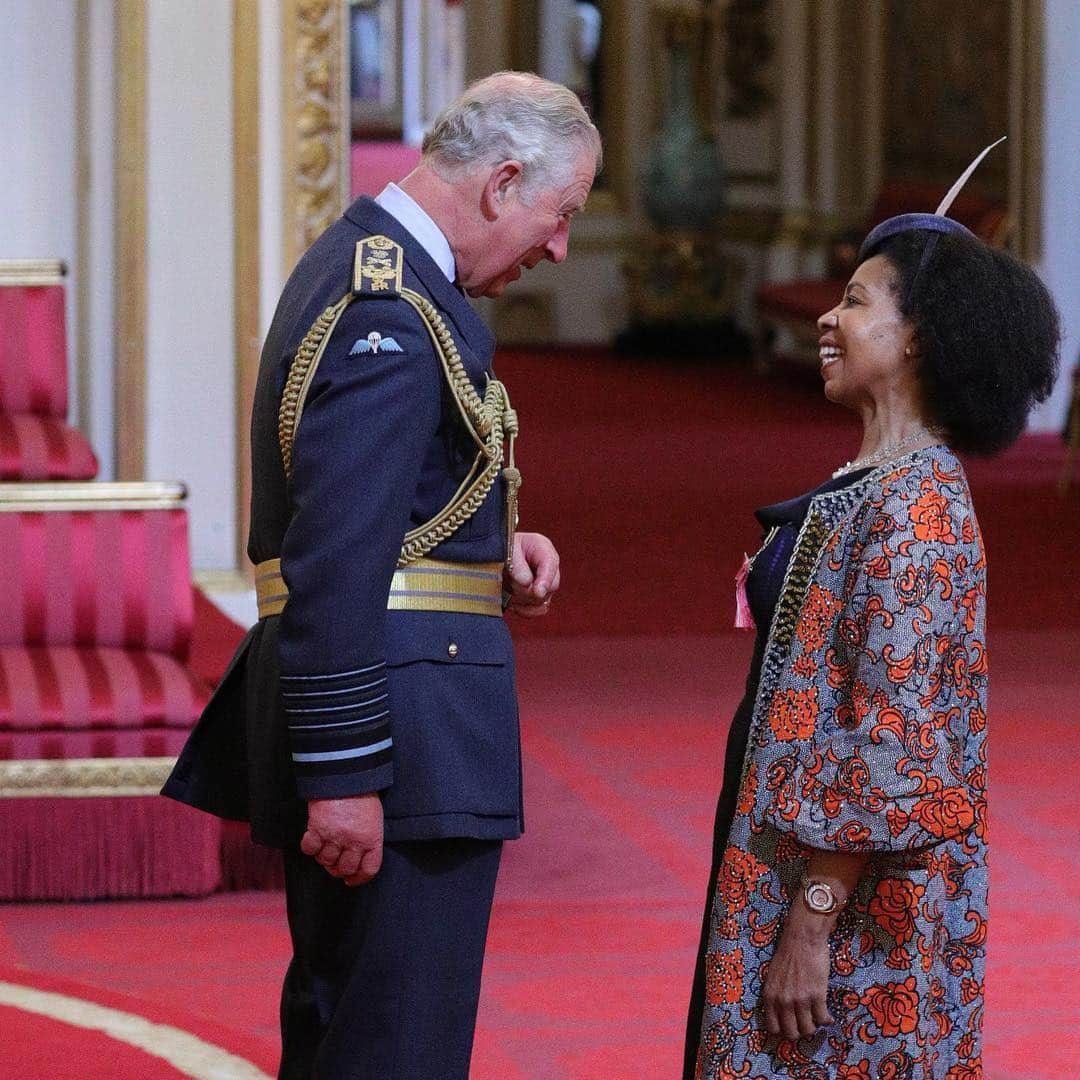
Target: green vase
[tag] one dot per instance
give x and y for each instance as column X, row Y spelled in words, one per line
column 685, row 185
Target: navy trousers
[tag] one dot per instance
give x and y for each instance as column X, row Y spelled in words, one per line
column 385, row 977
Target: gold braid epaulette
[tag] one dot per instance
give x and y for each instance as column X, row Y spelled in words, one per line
column 490, row 421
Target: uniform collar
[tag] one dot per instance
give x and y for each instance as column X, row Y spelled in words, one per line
column 373, row 219
column 414, row 217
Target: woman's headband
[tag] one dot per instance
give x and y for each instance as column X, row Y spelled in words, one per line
column 935, row 223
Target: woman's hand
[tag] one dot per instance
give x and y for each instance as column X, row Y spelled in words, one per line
column 798, row 976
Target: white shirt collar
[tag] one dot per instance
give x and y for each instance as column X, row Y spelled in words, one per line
column 414, row 219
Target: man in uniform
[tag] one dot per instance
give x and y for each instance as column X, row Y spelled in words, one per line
column 368, row 723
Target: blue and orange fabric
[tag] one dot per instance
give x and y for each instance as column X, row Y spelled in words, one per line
column 868, row 736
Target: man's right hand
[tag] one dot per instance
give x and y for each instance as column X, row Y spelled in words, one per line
column 346, row 836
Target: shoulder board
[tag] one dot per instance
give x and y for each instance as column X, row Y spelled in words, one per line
column 377, row 268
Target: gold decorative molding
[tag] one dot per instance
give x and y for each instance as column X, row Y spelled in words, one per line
column 84, row 145
column 316, row 112
column 614, row 194
column 95, row 495
column 130, row 237
column 246, row 277
column 81, row 778
column 32, row 272
column 1025, row 145
column 131, row 254
column 813, row 81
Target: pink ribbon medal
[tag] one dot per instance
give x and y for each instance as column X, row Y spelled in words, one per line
column 744, row 617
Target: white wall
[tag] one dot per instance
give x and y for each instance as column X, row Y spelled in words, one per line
column 190, row 362
column 95, row 346
column 1061, row 190
column 37, row 134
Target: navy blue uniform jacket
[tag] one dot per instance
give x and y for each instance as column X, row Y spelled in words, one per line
column 338, row 696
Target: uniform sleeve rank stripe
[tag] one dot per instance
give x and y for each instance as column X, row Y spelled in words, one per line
column 336, row 674
column 340, row 755
column 332, row 693
column 292, row 711
column 329, row 770
column 355, row 722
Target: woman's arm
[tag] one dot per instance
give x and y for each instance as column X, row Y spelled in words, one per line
column 798, row 975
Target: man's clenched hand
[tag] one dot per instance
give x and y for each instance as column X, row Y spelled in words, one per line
column 533, row 576
column 346, row 836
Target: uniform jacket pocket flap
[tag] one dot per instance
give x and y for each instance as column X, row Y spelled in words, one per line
column 445, row 638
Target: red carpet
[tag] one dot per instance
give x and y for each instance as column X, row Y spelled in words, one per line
column 646, row 475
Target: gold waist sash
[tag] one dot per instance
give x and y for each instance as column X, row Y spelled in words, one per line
column 423, row 585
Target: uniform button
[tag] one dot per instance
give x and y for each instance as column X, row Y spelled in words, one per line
column 452, row 650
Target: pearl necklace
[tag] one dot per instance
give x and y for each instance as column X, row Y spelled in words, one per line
column 882, row 455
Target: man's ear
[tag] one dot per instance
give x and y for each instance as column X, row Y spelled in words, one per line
column 501, row 187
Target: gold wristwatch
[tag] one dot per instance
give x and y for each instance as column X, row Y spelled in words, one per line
column 819, row 897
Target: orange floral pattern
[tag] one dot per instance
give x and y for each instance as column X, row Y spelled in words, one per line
column 895, row 907
column 793, row 713
column 930, row 515
column 818, row 613
column 738, row 876
column 949, row 812
column 723, row 978
column 894, row 1008
column 868, row 736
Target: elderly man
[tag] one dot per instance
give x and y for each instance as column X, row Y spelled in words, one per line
column 368, row 723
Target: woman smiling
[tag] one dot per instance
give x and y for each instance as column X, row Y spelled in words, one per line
column 845, row 928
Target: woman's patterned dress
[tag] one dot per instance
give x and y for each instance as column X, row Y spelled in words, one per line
column 867, row 735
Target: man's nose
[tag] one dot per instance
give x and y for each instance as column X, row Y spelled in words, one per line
column 555, row 248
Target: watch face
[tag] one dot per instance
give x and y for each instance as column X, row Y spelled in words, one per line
column 819, row 897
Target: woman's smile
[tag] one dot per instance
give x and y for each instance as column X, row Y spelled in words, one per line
column 829, row 353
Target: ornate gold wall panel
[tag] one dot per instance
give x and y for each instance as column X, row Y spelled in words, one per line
column 83, row 135
column 316, row 112
column 958, row 81
column 130, row 238
column 246, row 194
column 1025, row 146
column 948, row 77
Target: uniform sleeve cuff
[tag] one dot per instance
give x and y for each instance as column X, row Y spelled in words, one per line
column 345, row 785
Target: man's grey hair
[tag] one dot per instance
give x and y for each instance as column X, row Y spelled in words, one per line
column 512, row 115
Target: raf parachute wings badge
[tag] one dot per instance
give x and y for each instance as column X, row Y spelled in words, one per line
column 374, row 343
column 377, row 267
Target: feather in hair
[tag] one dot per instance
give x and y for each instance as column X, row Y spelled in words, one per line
column 943, row 208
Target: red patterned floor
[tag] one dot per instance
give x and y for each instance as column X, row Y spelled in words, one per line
column 596, row 918
column 652, row 473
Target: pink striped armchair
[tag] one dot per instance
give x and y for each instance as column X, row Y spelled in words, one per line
column 36, row 442
column 95, row 695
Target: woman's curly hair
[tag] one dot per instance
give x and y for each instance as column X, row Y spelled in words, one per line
column 986, row 333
